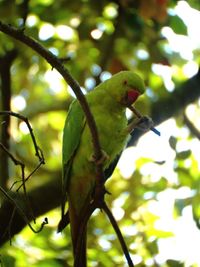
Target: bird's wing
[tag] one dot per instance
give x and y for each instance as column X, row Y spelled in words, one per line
column 73, row 129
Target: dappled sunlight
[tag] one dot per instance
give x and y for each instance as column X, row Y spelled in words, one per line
column 193, row 113
column 184, row 246
column 154, row 191
column 179, row 43
column 65, row 33
column 153, row 147
column 96, row 34
column 110, row 11
column 18, row 103
column 157, row 149
column 191, row 18
column 54, row 79
column 23, row 128
column 47, row 30
column 32, row 20
column 190, row 69
column 166, row 73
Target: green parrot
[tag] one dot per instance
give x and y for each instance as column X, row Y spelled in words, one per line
column 108, row 103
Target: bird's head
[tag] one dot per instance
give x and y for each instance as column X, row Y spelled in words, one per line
column 125, row 87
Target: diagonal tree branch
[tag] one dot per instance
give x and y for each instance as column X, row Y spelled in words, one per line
column 191, row 127
column 119, row 234
column 57, row 64
column 99, row 190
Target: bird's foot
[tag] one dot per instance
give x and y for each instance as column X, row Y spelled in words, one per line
column 101, row 160
column 144, row 124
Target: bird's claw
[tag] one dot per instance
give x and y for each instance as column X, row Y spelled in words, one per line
column 143, row 123
column 101, row 160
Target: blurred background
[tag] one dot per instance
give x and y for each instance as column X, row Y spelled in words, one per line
column 155, row 189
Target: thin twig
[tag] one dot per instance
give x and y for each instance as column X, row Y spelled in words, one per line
column 16, row 162
column 38, row 152
column 30, row 174
column 191, row 126
column 139, row 115
column 118, row 232
column 57, row 64
column 22, row 212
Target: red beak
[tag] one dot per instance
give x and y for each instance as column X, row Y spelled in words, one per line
column 132, row 96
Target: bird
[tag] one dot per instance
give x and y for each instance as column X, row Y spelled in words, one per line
column 107, row 102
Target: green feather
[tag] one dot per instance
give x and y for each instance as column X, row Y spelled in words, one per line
column 73, row 128
column 107, row 103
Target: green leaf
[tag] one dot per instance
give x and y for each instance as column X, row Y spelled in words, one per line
column 184, row 176
column 7, row 260
column 180, row 204
column 173, row 263
column 177, row 24
column 173, row 142
column 184, row 154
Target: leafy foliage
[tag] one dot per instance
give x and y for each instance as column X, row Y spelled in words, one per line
column 95, row 39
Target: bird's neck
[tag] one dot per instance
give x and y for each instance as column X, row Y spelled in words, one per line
column 105, row 101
